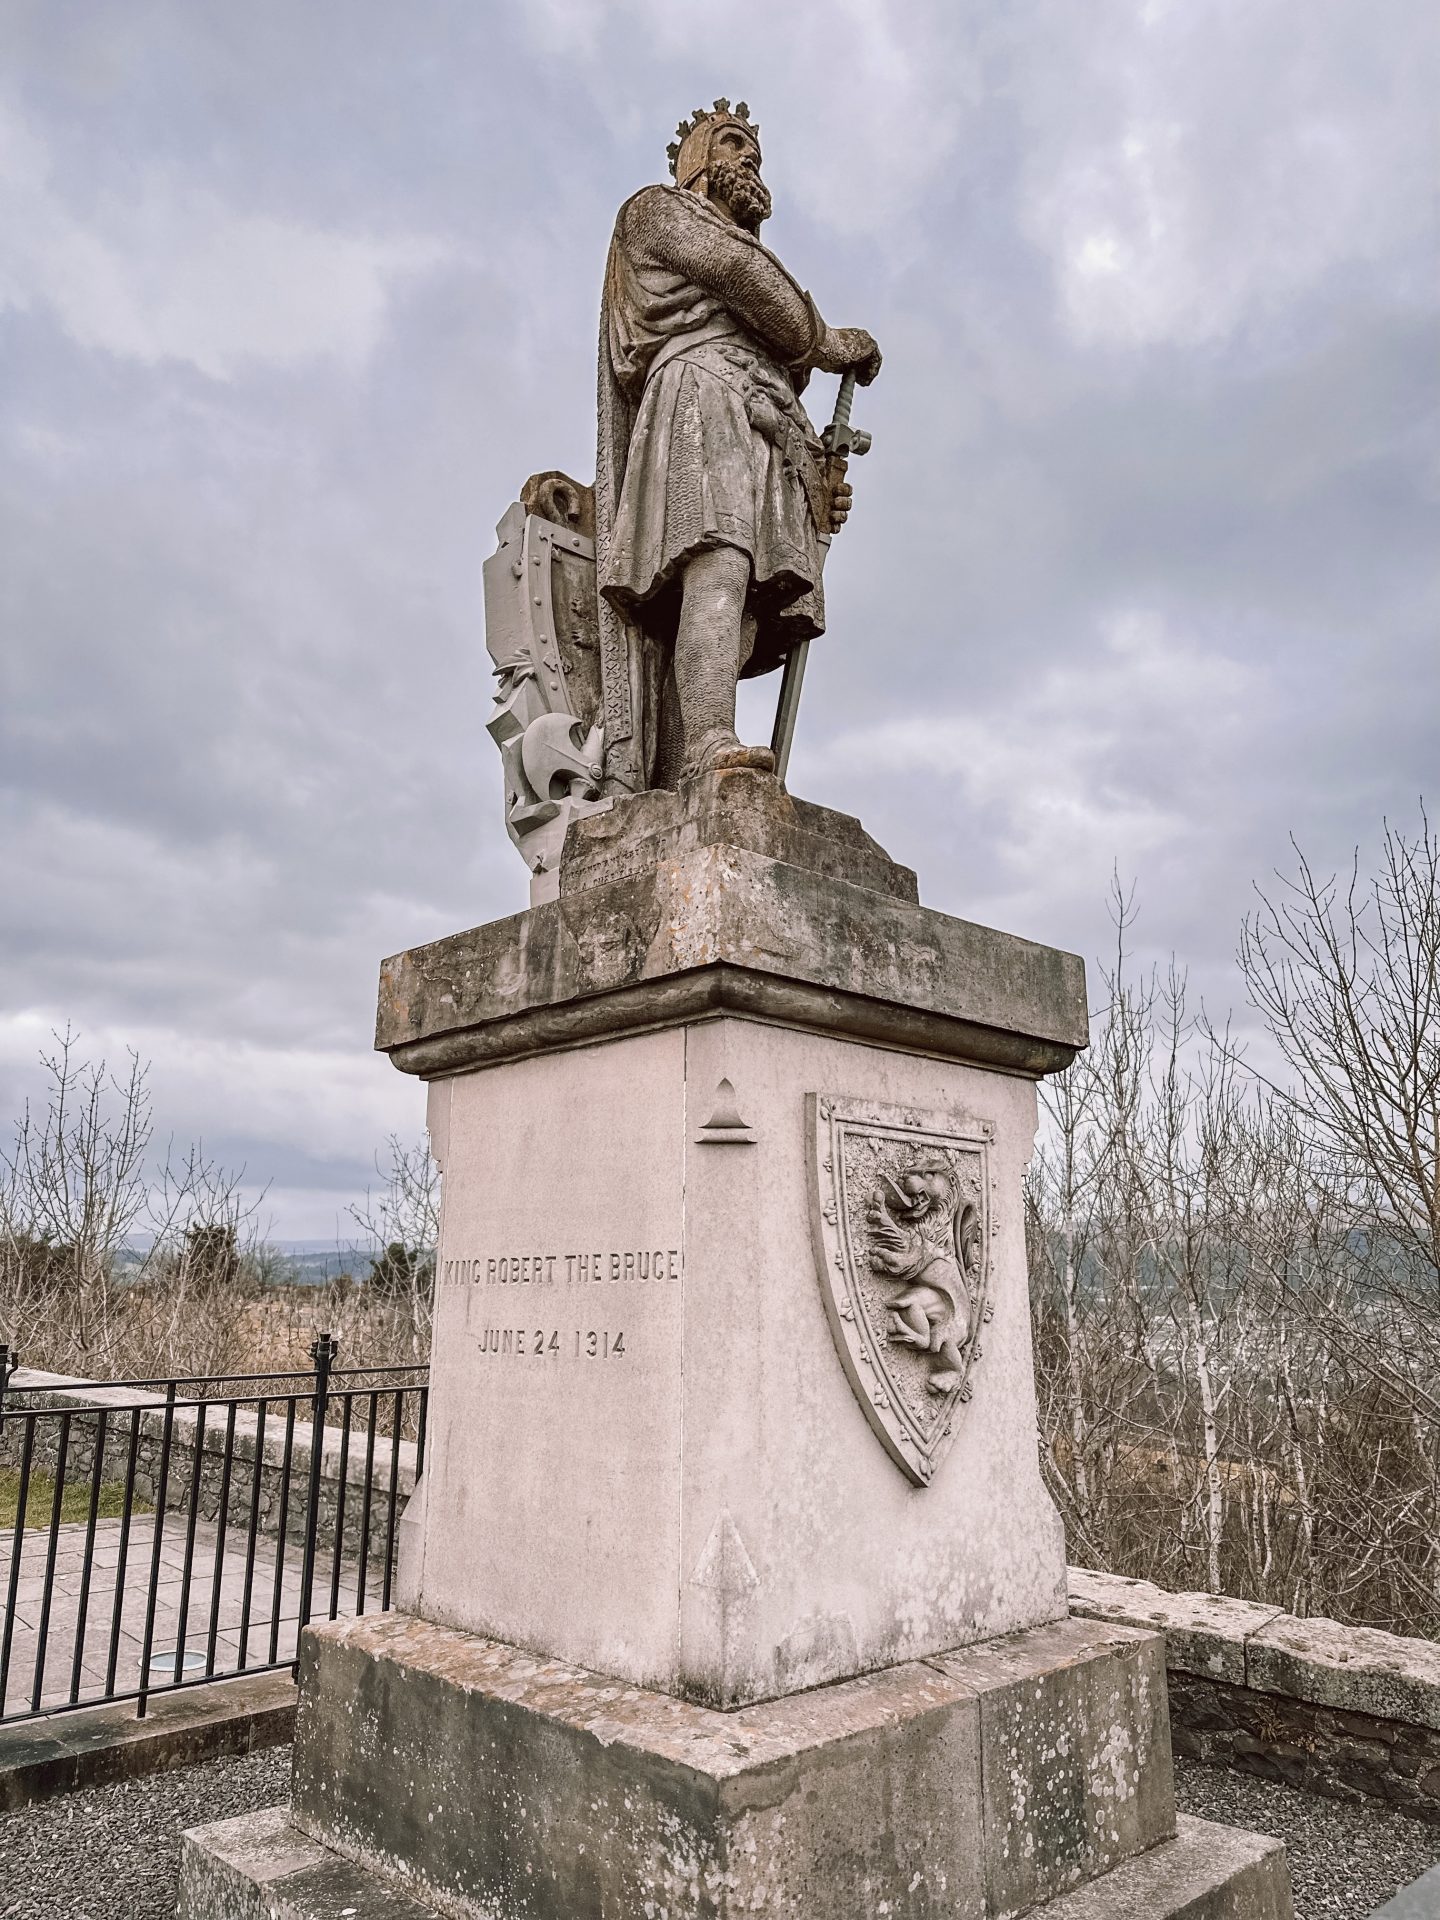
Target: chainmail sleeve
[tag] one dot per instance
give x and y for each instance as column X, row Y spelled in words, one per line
column 678, row 231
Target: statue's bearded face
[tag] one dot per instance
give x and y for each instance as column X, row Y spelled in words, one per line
column 733, row 177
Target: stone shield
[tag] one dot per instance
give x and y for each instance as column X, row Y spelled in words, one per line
column 541, row 631
column 901, row 1216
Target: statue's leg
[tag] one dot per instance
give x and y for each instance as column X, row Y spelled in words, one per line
column 707, row 659
column 669, row 734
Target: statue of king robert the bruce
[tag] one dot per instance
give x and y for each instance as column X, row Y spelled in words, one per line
column 711, row 495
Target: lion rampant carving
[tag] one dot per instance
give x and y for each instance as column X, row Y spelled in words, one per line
column 922, row 1236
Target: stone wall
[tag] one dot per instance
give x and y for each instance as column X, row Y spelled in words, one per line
column 31, row 1388
column 1343, row 1711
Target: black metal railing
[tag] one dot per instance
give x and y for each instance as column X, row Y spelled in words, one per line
column 170, row 1532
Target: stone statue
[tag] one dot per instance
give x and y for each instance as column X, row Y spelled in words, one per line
column 711, row 497
column 620, row 619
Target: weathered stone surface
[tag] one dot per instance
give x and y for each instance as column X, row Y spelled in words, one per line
column 734, row 1530
column 480, row 1781
column 709, row 1510
column 1206, row 1872
column 64, row 1752
column 1205, row 1633
column 501, row 1784
column 1075, row 1754
column 735, row 808
column 1353, row 1668
column 730, row 898
column 1343, row 1711
column 1419, row 1901
column 260, row 1866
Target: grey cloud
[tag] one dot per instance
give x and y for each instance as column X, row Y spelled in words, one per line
column 241, row 746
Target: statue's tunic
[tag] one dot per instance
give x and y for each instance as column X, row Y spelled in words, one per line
column 705, row 343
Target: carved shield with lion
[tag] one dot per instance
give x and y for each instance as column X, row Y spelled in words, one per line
column 901, row 1217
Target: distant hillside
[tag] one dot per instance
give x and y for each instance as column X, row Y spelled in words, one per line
column 314, row 1263
column 301, row 1263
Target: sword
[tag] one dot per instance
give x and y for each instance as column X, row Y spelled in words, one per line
column 840, row 440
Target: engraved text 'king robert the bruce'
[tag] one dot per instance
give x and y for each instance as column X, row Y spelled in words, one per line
column 644, row 1266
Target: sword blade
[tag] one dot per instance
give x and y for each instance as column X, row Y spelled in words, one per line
column 793, row 677
column 791, row 681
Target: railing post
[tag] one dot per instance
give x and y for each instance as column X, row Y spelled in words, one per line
column 9, row 1366
column 323, row 1353
column 162, row 1489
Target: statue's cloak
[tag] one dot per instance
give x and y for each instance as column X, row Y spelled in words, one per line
column 704, row 347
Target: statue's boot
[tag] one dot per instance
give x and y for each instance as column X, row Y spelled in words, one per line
column 722, row 747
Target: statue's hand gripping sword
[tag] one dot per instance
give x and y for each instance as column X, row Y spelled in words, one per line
column 841, row 441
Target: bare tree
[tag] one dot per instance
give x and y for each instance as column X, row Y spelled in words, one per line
column 109, row 1259
column 401, row 1224
column 121, row 1258
column 1085, row 1235
column 1235, row 1346
column 1348, row 982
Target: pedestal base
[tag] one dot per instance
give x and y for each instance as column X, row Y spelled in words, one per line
column 438, row 1773
column 262, row 1867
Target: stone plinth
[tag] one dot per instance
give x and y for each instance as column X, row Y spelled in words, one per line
column 986, row 1781
column 731, row 1583
column 731, row 898
column 645, row 1453
column 476, row 1780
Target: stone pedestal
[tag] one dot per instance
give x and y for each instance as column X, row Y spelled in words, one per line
column 731, row 1583
column 649, row 1455
column 644, row 1453
column 1027, row 1774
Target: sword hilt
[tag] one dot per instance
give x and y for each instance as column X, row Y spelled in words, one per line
column 840, row 439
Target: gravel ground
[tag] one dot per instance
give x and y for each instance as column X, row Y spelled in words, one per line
column 1345, row 1860
column 110, row 1854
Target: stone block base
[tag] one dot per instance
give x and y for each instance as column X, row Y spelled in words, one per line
column 262, row 1867
column 447, row 1774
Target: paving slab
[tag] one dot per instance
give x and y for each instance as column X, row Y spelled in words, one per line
column 269, row 1578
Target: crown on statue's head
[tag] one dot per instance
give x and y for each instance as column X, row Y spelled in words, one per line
column 689, row 151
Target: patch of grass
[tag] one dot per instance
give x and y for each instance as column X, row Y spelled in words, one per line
column 74, row 1501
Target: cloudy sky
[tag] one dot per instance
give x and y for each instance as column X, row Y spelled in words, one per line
column 293, row 297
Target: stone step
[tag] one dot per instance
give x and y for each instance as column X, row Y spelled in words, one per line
column 1419, row 1901
column 260, row 1867
column 1207, row 1872
column 1033, row 1772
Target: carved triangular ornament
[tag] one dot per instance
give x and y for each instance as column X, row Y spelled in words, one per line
column 902, row 1206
